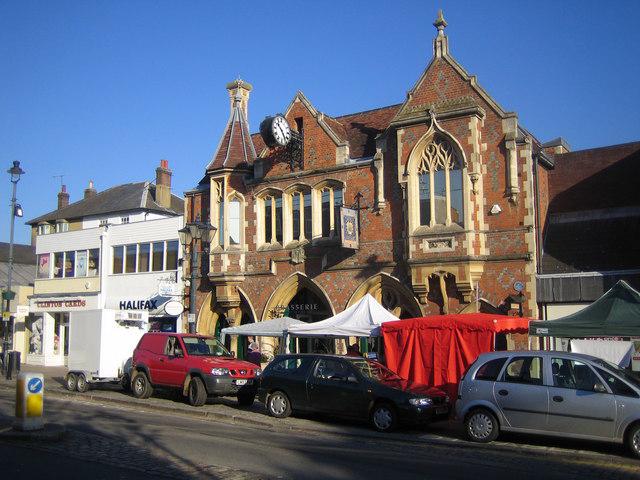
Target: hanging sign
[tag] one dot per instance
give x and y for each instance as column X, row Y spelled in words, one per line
column 173, row 308
column 349, row 228
column 168, row 289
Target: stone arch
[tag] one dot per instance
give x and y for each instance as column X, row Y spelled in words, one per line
column 210, row 313
column 288, row 289
column 380, row 286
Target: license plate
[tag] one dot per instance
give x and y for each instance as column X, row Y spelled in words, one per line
column 241, row 382
column 441, row 410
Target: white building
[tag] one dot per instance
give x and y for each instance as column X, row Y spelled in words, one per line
column 117, row 249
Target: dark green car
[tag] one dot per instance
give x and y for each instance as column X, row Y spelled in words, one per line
column 350, row 387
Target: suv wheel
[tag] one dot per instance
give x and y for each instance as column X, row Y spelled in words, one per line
column 81, row 384
column 384, row 418
column 197, row 392
column 71, row 381
column 633, row 440
column 140, row 385
column 481, row 426
column 278, row 405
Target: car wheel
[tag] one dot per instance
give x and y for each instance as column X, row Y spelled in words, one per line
column 197, row 392
column 125, row 382
column 140, row 385
column 278, row 405
column 384, row 417
column 71, row 381
column 633, row 440
column 81, row 383
column 246, row 399
column 481, row 426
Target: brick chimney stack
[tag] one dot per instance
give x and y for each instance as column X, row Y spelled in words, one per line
column 63, row 197
column 163, row 184
column 90, row 191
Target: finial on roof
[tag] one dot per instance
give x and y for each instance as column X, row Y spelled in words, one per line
column 440, row 44
column 440, row 23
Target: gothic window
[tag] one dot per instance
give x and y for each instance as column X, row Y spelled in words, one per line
column 330, row 203
column 439, row 185
column 233, row 225
column 301, row 215
column 270, row 205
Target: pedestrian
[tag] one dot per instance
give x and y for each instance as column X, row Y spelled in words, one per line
column 353, row 350
column 254, row 355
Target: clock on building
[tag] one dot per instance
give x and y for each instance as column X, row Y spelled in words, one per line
column 275, row 131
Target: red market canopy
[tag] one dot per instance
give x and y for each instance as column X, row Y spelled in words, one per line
column 437, row 350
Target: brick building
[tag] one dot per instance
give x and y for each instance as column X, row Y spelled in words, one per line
column 443, row 185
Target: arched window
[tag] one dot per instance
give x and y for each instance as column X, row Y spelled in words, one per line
column 330, row 203
column 271, row 206
column 301, row 215
column 233, row 221
column 440, row 185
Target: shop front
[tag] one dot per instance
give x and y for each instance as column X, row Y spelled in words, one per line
column 47, row 329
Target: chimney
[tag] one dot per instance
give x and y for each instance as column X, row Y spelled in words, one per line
column 239, row 93
column 557, row 146
column 163, row 184
column 90, row 191
column 63, row 198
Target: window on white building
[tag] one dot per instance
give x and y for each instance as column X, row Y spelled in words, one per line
column 130, row 258
column 62, row 226
column 144, row 257
column 44, row 229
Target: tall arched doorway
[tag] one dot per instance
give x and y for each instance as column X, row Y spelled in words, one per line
column 212, row 318
column 301, row 298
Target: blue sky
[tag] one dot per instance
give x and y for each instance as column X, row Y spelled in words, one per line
column 103, row 90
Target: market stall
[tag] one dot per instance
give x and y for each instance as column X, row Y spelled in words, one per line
column 437, row 350
column 614, row 317
column 277, row 327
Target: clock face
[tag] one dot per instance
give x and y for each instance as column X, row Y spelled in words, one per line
column 281, row 130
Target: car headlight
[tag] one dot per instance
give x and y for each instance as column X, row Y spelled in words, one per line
column 258, row 372
column 220, row 371
column 420, row 402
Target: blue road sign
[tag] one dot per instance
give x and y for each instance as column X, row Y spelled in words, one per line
column 34, row 385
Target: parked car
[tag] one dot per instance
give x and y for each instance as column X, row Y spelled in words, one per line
column 348, row 387
column 551, row 393
column 196, row 365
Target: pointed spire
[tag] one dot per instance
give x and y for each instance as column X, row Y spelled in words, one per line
column 235, row 147
column 441, row 43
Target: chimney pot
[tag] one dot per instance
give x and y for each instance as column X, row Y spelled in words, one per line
column 163, row 184
column 90, row 191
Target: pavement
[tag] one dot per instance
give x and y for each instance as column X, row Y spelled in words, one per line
column 226, row 410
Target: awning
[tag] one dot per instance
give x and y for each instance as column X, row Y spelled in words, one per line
column 269, row 328
column 615, row 314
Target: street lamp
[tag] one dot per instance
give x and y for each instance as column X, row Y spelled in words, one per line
column 188, row 236
column 16, row 211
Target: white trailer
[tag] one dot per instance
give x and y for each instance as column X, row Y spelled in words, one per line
column 101, row 344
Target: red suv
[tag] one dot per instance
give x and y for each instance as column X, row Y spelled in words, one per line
column 199, row 366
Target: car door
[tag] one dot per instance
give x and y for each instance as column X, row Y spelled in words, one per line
column 333, row 387
column 175, row 362
column 580, row 404
column 289, row 374
column 521, row 395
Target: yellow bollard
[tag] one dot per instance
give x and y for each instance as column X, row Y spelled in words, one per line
column 29, row 401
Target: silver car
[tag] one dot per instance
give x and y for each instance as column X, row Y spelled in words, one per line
column 551, row 393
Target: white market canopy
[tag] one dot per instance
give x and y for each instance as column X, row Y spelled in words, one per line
column 362, row 319
column 269, row 328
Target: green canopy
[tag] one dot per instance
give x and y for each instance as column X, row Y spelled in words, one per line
column 614, row 314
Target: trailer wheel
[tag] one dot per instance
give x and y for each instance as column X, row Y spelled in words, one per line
column 140, row 385
column 81, row 384
column 71, row 381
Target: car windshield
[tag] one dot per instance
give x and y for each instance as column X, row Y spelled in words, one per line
column 206, row 347
column 374, row 370
column 629, row 377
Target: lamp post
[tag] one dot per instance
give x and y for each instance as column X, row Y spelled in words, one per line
column 16, row 211
column 189, row 235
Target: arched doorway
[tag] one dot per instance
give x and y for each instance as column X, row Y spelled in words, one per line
column 301, row 298
column 393, row 296
column 212, row 318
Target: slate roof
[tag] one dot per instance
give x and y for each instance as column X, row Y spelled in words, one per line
column 24, row 264
column 127, row 197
